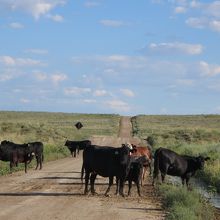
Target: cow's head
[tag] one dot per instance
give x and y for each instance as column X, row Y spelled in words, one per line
column 132, row 147
column 67, row 143
column 201, row 161
column 123, row 154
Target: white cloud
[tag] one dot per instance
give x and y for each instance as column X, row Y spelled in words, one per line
column 57, row 78
column 127, row 92
column 100, row 92
column 180, row 10
column 89, row 101
column 36, row 8
column 118, row 105
column 57, row 18
column 76, row 91
column 213, row 9
column 197, row 22
column 112, row 23
column 215, row 25
column 10, row 61
column 176, row 47
column 208, row 69
column 40, row 76
column 16, row 25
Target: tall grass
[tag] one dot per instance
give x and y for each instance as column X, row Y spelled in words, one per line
column 184, row 205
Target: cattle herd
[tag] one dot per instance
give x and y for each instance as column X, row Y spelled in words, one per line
column 126, row 163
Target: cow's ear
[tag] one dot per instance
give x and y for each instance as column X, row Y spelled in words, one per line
column 207, row 158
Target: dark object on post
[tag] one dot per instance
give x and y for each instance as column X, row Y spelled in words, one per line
column 78, row 125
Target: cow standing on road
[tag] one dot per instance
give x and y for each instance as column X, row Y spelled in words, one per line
column 16, row 153
column 143, row 151
column 74, row 146
column 135, row 172
column 107, row 162
column 38, row 149
column 170, row 163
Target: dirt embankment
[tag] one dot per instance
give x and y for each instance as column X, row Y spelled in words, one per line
column 56, row 192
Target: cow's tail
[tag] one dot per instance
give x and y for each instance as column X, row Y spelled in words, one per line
column 82, row 172
column 156, row 164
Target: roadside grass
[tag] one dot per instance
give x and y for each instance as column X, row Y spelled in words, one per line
column 184, row 205
column 53, row 129
column 190, row 135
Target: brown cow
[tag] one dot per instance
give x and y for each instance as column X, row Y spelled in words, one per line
column 143, row 151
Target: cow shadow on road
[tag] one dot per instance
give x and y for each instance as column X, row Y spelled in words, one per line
column 59, row 178
column 56, row 194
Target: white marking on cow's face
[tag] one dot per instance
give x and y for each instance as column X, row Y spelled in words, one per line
column 129, row 146
column 32, row 153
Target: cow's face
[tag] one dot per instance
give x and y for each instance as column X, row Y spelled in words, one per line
column 201, row 161
column 67, row 143
column 123, row 154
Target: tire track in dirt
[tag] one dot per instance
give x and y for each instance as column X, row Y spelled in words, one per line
column 56, row 192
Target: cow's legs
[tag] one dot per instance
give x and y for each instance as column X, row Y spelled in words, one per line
column 150, row 167
column 187, row 182
column 11, row 165
column 75, row 153
column 92, row 182
column 117, row 186
column 25, row 165
column 109, row 185
column 37, row 158
column 143, row 175
column 86, row 183
column 41, row 159
column 163, row 176
column 138, row 187
column 121, row 187
column 129, row 187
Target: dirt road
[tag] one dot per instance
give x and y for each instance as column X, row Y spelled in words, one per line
column 56, row 192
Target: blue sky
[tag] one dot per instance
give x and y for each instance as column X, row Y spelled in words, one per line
column 106, row 56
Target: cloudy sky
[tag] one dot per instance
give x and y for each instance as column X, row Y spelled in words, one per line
column 106, row 56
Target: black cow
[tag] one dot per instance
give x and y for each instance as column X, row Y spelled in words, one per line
column 107, row 162
column 135, row 174
column 171, row 163
column 38, row 149
column 74, row 146
column 15, row 153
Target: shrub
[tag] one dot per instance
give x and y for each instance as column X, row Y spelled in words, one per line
column 185, row 205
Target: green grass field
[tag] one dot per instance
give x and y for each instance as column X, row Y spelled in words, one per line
column 53, row 129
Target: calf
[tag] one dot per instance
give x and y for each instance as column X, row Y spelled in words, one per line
column 135, row 172
column 74, row 146
column 38, row 149
column 170, row 163
column 143, row 151
column 107, row 162
column 15, row 153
